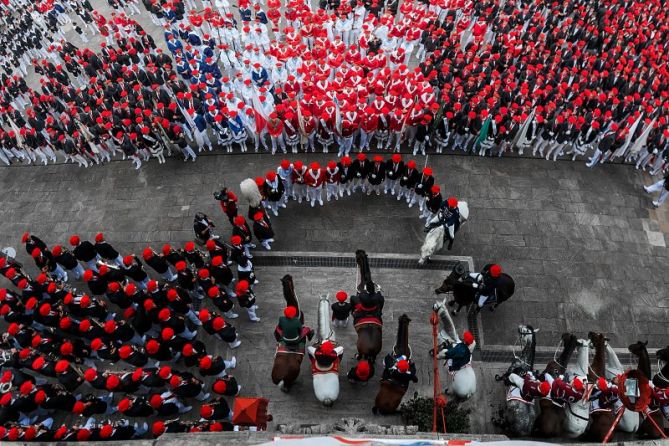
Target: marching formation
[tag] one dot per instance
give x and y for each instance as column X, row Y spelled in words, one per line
column 558, row 79
column 127, row 344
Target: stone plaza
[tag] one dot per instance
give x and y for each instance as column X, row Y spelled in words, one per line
column 585, row 248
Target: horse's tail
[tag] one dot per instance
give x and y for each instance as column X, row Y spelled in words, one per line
column 434, row 241
column 364, row 272
column 447, row 323
column 324, row 321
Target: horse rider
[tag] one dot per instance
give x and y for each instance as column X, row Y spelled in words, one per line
column 400, row 370
column 367, row 303
column 459, row 354
column 486, row 283
column 564, row 392
column 290, row 331
column 325, row 356
column 661, row 399
column 528, row 387
column 362, row 372
column 606, row 397
column 449, row 217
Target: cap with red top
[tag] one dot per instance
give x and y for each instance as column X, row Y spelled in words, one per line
column 206, row 411
column 403, row 365
column 90, row 374
column 112, row 382
column 158, row 428
column 218, row 323
column 290, row 312
column 152, row 346
column 495, row 270
column 75, row 240
column 110, row 326
column 341, row 296
column 362, row 370
column 220, row 386
column 544, row 388
column 468, row 337
column 156, row 401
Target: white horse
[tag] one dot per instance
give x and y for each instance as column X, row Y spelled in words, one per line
column 464, row 380
column 249, row 191
column 434, row 240
column 630, row 420
column 326, row 379
column 578, row 414
column 519, row 414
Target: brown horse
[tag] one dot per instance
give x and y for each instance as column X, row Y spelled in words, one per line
column 550, row 421
column 390, row 394
column 369, row 329
column 288, row 360
column 646, row 428
column 601, row 420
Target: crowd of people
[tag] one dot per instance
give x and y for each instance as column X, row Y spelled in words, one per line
column 562, row 78
column 336, row 179
column 126, row 345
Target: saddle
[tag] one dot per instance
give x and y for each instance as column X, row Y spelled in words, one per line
column 367, row 320
column 297, row 349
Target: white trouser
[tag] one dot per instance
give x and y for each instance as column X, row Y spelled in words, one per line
column 315, row 194
column 202, row 139
column 332, row 190
column 340, row 323
column 659, row 186
column 92, row 264
column 299, row 192
column 169, row 275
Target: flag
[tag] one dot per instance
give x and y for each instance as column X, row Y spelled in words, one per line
column 641, row 140
column 483, row 134
column 466, row 36
column 520, row 135
column 337, row 114
column 621, row 151
column 259, row 113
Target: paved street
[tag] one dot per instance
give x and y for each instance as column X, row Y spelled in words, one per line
column 583, row 245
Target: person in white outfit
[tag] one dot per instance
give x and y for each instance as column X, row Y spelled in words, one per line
column 661, row 186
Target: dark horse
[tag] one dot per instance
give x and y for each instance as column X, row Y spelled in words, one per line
column 287, row 361
column 646, row 428
column 390, row 394
column 370, row 335
column 550, row 421
column 600, row 420
column 459, row 283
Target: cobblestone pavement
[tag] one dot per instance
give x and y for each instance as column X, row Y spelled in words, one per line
column 583, row 245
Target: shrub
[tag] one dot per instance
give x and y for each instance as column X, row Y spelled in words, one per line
column 418, row 411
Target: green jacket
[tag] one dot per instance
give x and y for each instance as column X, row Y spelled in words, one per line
column 290, row 329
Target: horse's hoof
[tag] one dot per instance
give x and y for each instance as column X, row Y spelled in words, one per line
column 375, row 411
